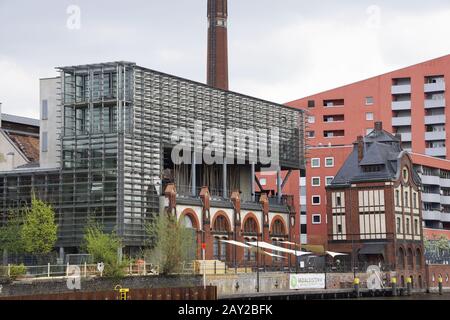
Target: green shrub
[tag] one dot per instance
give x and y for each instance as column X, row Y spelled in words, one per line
column 17, row 271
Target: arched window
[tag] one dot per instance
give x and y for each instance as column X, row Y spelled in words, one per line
column 418, row 259
column 410, row 258
column 250, row 226
column 401, row 258
column 221, row 224
column 187, row 222
column 278, row 228
column 250, row 253
column 220, row 249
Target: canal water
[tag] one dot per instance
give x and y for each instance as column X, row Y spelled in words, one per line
column 419, row 296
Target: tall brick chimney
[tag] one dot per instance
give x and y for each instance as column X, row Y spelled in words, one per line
column 378, row 126
column 360, row 143
column 217, row 75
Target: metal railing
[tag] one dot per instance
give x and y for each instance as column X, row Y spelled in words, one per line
column 65, row 270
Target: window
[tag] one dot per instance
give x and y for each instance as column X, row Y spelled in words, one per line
column 338, row 201
column 263, row 181
column 407, row 226
column 328, row 180
column 44, row 110
column 311, row 134
column 316, row 219
column 311, row 119
column 44, row 141
column 329, row 162
column 311, row 103
column 250, row 226
column 315, row 163
column 369, row 116
column 399, row 225
column 415, row 200
column 339, row 228
column 315, row 181
column 416, row 226
column 278, row 228
column 369, row 101
column 397, row 197
column 405, row 174
column 406, row 199
column 316, row 200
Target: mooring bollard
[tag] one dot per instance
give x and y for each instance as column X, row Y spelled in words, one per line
column 440, row 285
column 408, row 285
column 356, row 286
column 394, row 286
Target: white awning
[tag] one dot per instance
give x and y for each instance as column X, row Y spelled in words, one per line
column 273, row 255
column 236, row 243
column 269, row 246
column 288, row 242
column 335, row 254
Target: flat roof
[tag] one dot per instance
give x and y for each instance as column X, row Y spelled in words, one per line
column 133, row 64
column 21, row 120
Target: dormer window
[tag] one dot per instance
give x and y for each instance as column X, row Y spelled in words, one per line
column 373, row 168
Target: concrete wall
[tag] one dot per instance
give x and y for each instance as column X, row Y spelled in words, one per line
column 48, row 91
column 19, row 288
column 275, row 282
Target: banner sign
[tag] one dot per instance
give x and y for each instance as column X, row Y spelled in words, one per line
column 307, row 281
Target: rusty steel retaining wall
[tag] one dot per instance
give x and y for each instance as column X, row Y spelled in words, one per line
column 195, row 293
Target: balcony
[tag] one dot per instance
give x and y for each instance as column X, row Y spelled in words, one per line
column 406, row 137
column 445, row 200
column 439, row 119
column 401, row 105
column 436, row 152
column 431, row 180
column 431, row 197
column 401, row 89
column 435, row 135
column 434, row 103
column 434, row 87
column 445, row 217
column 444, row 182
column 431, row 215
column 401, row 121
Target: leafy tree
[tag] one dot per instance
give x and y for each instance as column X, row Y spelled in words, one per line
column 39, row 231
column 172, row 242
column 104, row 248
column 11, row 233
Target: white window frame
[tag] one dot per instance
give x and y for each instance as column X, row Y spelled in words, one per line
column 370, row 103
column 316, row 215
column 311, row 119
column 327, row 166
column 326, row 178
column 312, row 200
column 312, row 182
column 312, row 163
column 367, row 116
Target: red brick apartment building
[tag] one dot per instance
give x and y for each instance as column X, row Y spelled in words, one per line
column 411, row 102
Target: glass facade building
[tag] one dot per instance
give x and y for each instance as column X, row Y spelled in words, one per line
column 115, row 131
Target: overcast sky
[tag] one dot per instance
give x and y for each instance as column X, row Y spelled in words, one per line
column 279, row 50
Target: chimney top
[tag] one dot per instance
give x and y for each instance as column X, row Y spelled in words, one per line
column 360, row 145
column 378, row 126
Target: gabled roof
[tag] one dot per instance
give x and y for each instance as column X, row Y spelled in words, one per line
column 380, row 150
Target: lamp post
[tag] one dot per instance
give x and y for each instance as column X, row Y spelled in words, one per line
column 257, row 264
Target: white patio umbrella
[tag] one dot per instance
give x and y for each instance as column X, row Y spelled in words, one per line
column 272, row 247
column 335, row 254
